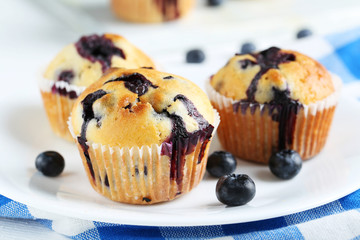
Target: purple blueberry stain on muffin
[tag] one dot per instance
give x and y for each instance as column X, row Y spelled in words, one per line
column 244, row 64
column 283, row 109
column 145, row 170
column 181, row 142
column 106, row 182
column 166, row 5
column 137, row 172
column 287, row 109
column 64, row 76
column 267, row 59
column 136, row 83
column 128, row 106
column 100, row 49
column 88, row 115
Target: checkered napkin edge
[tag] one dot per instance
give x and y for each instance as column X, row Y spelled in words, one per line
column 336, row 220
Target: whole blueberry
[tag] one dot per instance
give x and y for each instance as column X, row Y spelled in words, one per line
column 247, row 47
column 50, row 163
column 304, row 33
column 214, row 2
column 195, row 56
column 235, row 189
column 221, row 163
column 285, row 164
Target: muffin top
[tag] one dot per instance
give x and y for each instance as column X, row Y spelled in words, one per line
column 85, row 61
column 272, row 75
column 141, row 107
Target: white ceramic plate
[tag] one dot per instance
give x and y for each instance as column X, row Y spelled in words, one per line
column 25, row 133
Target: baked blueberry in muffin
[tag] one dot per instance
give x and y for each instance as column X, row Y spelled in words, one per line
column 80, row 64
column 143, row 134
column 273, row 100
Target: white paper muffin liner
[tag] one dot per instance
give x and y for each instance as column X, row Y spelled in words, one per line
column 141, row 175
column 45, row 85
column 253, row 135
column 58, row 107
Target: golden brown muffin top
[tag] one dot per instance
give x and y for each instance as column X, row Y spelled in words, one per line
column 141, row 107
column 83, row 62
column 265, row 76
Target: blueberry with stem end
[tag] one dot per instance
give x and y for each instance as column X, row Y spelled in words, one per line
column 285, row 164
column 221, row 163
column 50, row 163
column 303, row 33
column 195, row 56
column 235, row 189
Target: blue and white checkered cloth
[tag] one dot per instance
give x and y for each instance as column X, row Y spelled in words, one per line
column 336, row 220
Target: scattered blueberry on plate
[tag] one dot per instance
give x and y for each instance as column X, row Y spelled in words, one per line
column 195, row 56
column 247, row 47
column 285, row 164
column 303, row 33
column 235, row 189
column 50, row 163
column 215, row 2
column 221, row 163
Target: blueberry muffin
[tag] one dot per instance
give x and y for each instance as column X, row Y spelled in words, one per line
column 143, row 135
column 77, row 66
column 273, row 100
column 148, row 11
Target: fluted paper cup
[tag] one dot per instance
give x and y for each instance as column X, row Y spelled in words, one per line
column 142, row 175
column 251, row 132
column 58, row 105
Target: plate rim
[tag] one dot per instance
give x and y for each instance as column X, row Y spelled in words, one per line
column 20, row 196
column 89, row 217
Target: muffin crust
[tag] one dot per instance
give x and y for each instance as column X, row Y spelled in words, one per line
column 138, row 114
column 87, row 59
column 256, row 77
